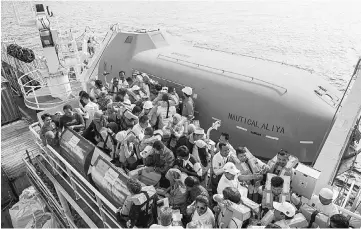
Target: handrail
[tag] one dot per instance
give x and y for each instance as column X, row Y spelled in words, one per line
column 259, row 58
column 76, row 173
column 225, row 71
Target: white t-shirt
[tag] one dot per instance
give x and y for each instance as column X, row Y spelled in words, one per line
column 91, row 108
column 207, row 218
column 224, row 183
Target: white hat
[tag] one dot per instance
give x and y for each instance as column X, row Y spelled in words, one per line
column 148, row 105
column 187, row 90
column 199, row 131
column 229, row 167
column 285, row 207
column 200, row 144
column 135, row 88
column 326, row 193
column 144, row 74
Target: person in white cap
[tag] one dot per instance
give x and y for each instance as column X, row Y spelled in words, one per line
column 229, row 178
column 188, row 104
column 218, row 162
column 323, row 202
column 284, row 212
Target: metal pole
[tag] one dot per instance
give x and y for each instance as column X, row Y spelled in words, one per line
column 348, row 194
column 65, row 206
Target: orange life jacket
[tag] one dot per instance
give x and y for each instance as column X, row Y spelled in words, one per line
column 267, row 198
column 287, row 170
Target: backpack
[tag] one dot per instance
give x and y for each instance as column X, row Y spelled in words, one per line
column 144, row 207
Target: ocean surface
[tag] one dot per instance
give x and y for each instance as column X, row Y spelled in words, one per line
column 322, row 36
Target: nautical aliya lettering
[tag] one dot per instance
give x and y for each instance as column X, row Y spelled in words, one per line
column 256, row 124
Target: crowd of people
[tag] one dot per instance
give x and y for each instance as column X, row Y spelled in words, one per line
column 145, row 126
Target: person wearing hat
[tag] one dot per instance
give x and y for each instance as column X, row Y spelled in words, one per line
column 187, row 103
column 323, row 202
column 218, row 162
column 229, row 178
column 283, row 213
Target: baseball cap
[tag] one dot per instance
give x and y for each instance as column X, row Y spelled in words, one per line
column 229, row 167
column 187, row 90
column 326, row 193
column 286, row 208
column 148, row 105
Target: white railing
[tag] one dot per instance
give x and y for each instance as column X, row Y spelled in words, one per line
column 81, row 189
column 32, row 97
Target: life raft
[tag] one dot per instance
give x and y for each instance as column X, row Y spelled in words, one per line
column 24, row 54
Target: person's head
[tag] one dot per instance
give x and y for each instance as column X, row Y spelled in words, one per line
column 46, row 119
column 191, row 181
column 136, row 110
column 176, row 119
column 68, row 110
column 277, row 185
column 241, row 154
column 85, row 98
column 158, row 146
column 224, row 138
column 118, row 99
column 282, row 158
column 165, row 97
column 81, row 93
column 183, row 152
column 113, row 126
column 202, row 203
column 98, row 84
column 224, row 149
column 325, row 196
column 165, row 216
column 191, row 128
column 133, row 186
column 147, row 107
column 122, row 92
column 144, row 121
column 198, row 134
column 122, row 75
column 283, row 211
column 339, row 221
column 171, row 90
column 187, row 92
column 232, row 194
column 148, row 132
column 115, row 81
column 230, row 171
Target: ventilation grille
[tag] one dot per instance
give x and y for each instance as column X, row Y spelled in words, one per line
column 129, row 39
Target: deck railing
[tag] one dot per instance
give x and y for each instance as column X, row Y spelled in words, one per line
column 54, row 165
